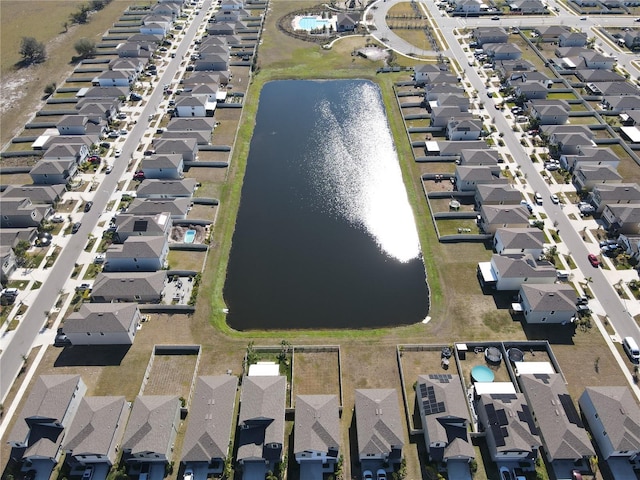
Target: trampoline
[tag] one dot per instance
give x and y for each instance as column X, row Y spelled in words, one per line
column 481, row 373
column 493, row 355
column 515, row 355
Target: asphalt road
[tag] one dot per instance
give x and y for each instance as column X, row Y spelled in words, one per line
column 11, row 359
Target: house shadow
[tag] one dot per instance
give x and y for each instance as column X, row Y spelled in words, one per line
column 92, row 356
column 353, row 449
column 554, row 334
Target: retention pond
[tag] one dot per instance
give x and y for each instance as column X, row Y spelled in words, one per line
column 325, row 236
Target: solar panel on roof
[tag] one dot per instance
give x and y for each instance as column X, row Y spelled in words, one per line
column 430, row 405
column 502, row 417
column 441, row 377
column 570, row 409
column 140, row 226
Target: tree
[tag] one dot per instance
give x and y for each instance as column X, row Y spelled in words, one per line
column 32, row 51
column 50, row 89
column 86, row 48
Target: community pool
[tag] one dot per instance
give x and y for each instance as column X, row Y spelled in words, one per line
column 313, row 23
column 189, row 236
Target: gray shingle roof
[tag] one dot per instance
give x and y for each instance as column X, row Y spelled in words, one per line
column 95, row 425
column 210, row 419
column 317, row 425
column 102, row 317
column 527, row 238
column 151, row 423
column 505, row 214
column 137, row 247
column 115, row 285
column 520, row 266
column 378, row 421
column 168, row 188
column 149, row 206
column 561, row 429
column 619, row 413
column 261, row 418
column 550, row 297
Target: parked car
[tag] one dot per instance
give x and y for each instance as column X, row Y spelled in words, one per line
column 576, row 475
column 188, row 474
column 109, row 169
column 61, row 340
column 99, row 259
column 87, row 206
column 586, row 208
column 495, row 17
column 88, row 473
column 381, row 474
column 138, row 176
column 555, row 199
column 538, row 198
column 113, row 134
column 83, row 287
column 94, row 159
column 593, row 260
column 76, row 226
column 57, row 218
column 367, row 475
column 121, row 116
column 118, row 152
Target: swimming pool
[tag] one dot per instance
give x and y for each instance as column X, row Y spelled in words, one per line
column 189, row 236
column 480, row 373
column 313, row 23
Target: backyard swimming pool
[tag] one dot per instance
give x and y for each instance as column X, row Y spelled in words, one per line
column 313, row 23
column 189, row 236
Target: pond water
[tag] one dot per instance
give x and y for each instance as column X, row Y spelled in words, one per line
column 325, row 236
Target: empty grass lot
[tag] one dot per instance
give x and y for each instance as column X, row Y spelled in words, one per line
column 316, row 373
column 171, row 374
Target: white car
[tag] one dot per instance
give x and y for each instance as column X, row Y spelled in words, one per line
column 118, row 152
column 109, row 169
column 188, row 474
column 555, row 199
column 57, row 218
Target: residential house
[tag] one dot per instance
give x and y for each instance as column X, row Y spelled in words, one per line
column 550, row 33
column 347, row 21
column 548, row 303
column 528, row 7
column 464, row 129
column 445, row 419
column 502, row 51
column 433, row 91
column 511, row 434
column 95, row 433
column 622, row 218
column 530, row 89
column 177, row 208
column 441, row 116
column 612, row 88
column 186, row 147
column 231, row 15
column 507, row 68
column 165, row 9
column 155, row 225
column 613, row 417
column 103, row 92
column 53, row 172
column 572, row 39
column 133, row 66
column 481, row 156
column 163, row 166
column 11, row 237
column 587, row 176
column 38, row 431
column 8, row 263
column 103, row 324
column 156, row 25
column 139, row 287
column 191, row 106
column 571, row 143
column 492, row 217
column 316, row 434
column 491, row 194
column 137, row 254
column 468, row 7
column 166, row 188
column 115, row 78
column 49, row 194
column 211, row 63
column 509, row 272
column 210, row 423
column 198, row 128
column 135, row 50
column 81, row 125
column 452, row 99
column 598, row 61
column 379, row 429
column 261, row 425
column 452, row 149
column 513, row 241
column 467, row 178
column 420, row 72
column 151, row 431
column 483, row 35
column 614, row 194
column 631, row 245
column 21, row 213
column 550, row 112
column 632, row 39
column 560, row 426
column 596, row 75
column 590, row 157
column 621, row 103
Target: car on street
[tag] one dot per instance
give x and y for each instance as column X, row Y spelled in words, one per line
column 109, row 169
column 495, row 17
column 118, row 152
column 114, row 134
column 87, row 206
column 76, row 226
column 593, row 260
column 538, row 197
column 555, row 199
column 583, row 18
